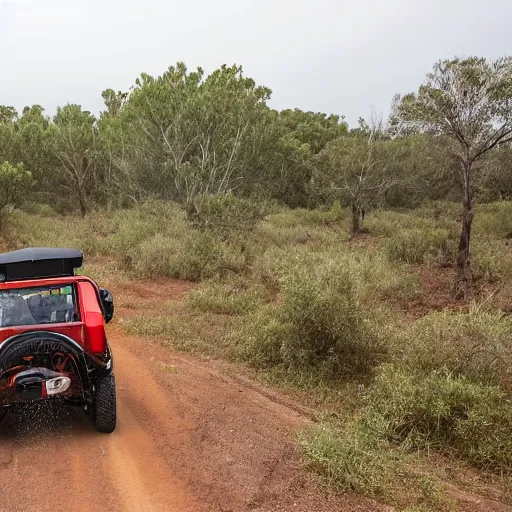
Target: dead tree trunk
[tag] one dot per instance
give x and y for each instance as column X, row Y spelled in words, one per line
column 464, row 275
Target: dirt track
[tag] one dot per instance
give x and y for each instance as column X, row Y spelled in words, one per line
column 191, row 437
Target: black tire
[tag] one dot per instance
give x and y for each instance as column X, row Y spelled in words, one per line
column 104, row 413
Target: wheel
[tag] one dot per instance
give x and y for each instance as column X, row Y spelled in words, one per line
column 104, row 404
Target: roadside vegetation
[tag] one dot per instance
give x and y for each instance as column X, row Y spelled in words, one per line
column 333, row 261
column 401, row 375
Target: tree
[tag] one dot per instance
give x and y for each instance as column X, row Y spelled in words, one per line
column 188, row 135
column 468, row 101
column 313, row 128
column 114, row 101
column 74, row 142
column 298, row 136
column 35, row 149
column 115, row 182
column 357, row 171
column 8, row 114
column 14, row 182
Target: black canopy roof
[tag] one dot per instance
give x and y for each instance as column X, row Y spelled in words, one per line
column 39, row 262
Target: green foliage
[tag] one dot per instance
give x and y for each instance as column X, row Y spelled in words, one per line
column 418, row 411
column 14, row 183
column 114, row 101
column 352, row 458
column 194, row 257
column 227, row 213
column 371, row 274
column 185, row 134
column 129, row 228
column 496, row 181
column 320, row 327
column 435, row 216
column 475, row 344
column 193, row 135
column 36, row 151
column 156, row 239
column 465, row 99
column 73, row 137
column 313, row 129
column 152, row 239
column 420, row 246
column 35, row 230
column 494, row 220
column 234, row 297
column 351, row 167
column 8, row 115
column 492, row 260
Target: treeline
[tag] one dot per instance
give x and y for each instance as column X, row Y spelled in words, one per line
column 184, row 135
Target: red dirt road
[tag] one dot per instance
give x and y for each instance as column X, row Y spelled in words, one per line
column 191, row 437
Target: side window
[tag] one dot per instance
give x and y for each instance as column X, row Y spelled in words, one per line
column 52, row 305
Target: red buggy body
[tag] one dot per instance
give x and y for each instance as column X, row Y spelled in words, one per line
column 53, row 344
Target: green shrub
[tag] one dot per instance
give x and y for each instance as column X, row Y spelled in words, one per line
column 389, row 223
column 476, row 345
column 259, row 340
column 420, row 246
column 352, row 458
column 195, row 256
column 131, row 227
column 418, row 411
column 224, row 213
column 154, row 238
column 235, row 297
column 331, row 329
column 320, row 326
column 493, row 220
column 26, row 230
column 371, row 273
column 15, row 182
column 491, row 259
column 304, row 217
column 483, row 438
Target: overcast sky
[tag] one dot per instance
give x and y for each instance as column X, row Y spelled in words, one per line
column 335, row 56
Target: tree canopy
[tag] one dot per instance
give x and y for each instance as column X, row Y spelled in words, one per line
column 186, row 134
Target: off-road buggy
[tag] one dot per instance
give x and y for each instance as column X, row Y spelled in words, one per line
column 53, row 344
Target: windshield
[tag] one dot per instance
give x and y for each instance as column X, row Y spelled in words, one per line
column 41, row 305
